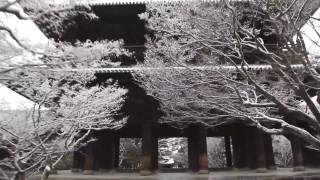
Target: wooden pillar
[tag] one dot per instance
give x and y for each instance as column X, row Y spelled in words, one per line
column 260, row 152
column 77, row 161
column 228, row 151
column 197, row 149
column 117, row 152
column 239, row 147
column 250, row 149
column 236, row 152
column 242, row 152
column 155, row 152
column 269, row 152
column 88, row 166
column 202, row 150
column 192, row 151
column 296, row 147
column 107, row 149
column 146, row 160
column 97, row 154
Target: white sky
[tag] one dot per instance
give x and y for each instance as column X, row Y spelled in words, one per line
column 312, row 40
column 29, row 34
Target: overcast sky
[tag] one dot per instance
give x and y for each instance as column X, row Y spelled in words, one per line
column 311, row 38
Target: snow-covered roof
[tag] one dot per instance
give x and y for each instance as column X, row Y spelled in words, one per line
column 123, row 2
column 205, row 68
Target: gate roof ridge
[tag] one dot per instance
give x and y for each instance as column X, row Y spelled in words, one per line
column 115, row 70
column 126, row 2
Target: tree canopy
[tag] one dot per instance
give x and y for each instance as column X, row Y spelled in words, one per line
column 75, row 104
column 222, row 33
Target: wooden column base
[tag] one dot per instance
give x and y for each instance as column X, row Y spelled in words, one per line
column 74, row 170
column 145, row 173
column 272, row 167
column 298, row 168
column 261, row 170
column 203, row 171
column 88, row 172
column 107, row 170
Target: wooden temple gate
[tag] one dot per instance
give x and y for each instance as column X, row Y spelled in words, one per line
column 245, row 147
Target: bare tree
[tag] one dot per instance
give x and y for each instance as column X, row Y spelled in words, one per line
column 18, row 49
column 53, row 133
column 213, row 44
column 75, row 104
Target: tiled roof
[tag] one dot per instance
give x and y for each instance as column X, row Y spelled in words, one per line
column 121, row 2
column 204, row 68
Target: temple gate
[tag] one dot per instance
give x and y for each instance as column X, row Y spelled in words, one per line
column 246, row 147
